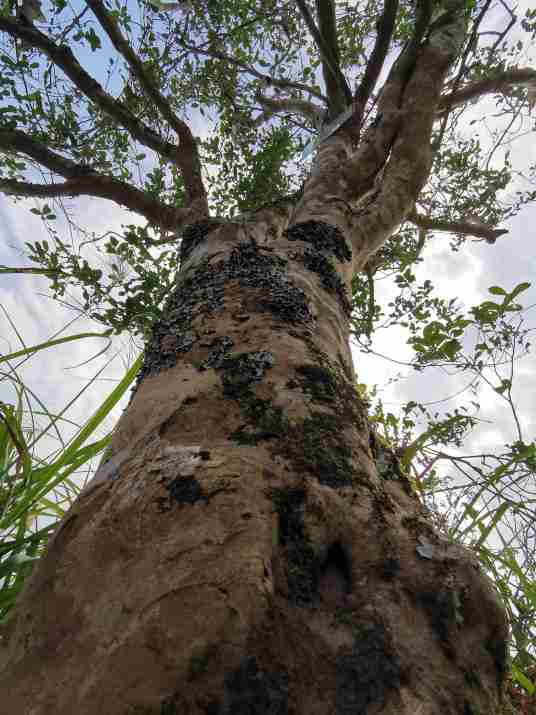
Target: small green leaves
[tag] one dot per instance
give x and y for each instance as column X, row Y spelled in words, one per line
column 505, row 385
column 46, row 214
column 93, row 39
column 488, row 312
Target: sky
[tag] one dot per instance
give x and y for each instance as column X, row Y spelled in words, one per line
column 59, row 374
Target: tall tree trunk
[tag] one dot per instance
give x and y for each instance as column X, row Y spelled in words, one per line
column 249, row 547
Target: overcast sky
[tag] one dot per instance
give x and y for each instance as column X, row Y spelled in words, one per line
column 57, row 375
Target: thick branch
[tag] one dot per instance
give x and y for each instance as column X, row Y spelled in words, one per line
column 188, row 156
column 167, row 217
column 327, row 25
column 385, row 27
column 14, row 141
column 82, row 180
column 339, row 93
column 496, row 84
column 64, row 58
column 310, row 111
column 411, row 155
column 392, row 91
column 465, row 227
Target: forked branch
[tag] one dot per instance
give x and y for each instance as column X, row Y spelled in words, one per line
column 82, row 180
column 325, row 37
column 63, row 57
column 188, row 156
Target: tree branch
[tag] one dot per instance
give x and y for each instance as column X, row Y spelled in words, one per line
column 339, row 93
column 157, row 213
column 411, row 154
column 82, row 180
column 63, row 57
column 13, row 141
column 391, row 94
column 188, row 156
column 327, row 25
column 385, row 26
column 466, row 227
column 310, row 111
column 268, row 81
column 497, row 84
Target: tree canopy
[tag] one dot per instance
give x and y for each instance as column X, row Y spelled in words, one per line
column 199, row 109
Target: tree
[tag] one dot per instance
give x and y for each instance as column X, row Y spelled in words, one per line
column 249, row 545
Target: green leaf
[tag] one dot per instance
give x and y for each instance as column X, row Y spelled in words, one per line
column 450, row 348
column 520, row 677
column 497, row 290
column 505, row 385
column 519, row 289
column 93, row 39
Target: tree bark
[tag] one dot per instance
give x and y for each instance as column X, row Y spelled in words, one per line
column 249, row 547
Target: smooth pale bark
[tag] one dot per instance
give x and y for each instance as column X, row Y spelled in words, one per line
column 249, row 546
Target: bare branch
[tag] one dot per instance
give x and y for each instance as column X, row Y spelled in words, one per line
column 188, row 156
column 385, row 26
column 339, row 93
column 13, row 141
column 82, row 180
column 63, row 57
column 499, row 83
column 310, row 111
column 158, row 214
column 327, row 25
column 466, row 227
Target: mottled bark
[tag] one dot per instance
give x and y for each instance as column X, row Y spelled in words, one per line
column 249, row 547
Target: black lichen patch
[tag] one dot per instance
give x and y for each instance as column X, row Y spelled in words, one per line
column 181, row 490
column 319, row 382
column 201, row 293
column 263, row 421
column 337, row 384
column 250, row 690
column 315, row 445
column 318, row 446
column 301, row 564
column 195, row 234
column 441, row 603
column 327, row 384
column 215, row 359
column 273, row 291
column 319, row 264
column 241, row 370
column 322, row 236
column 368, row 671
